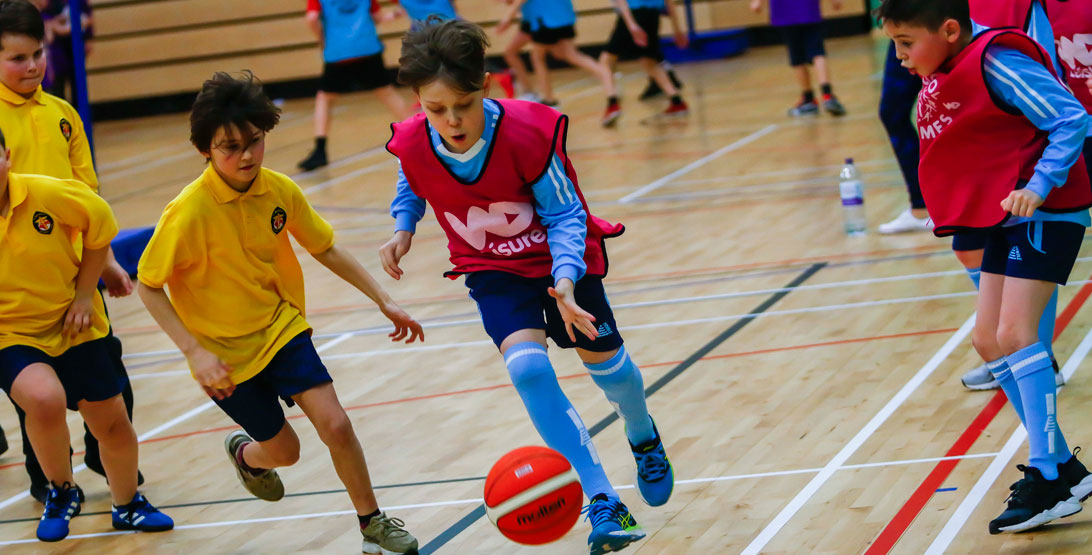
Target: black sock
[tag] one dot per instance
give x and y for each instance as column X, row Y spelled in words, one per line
column 825, row 89
column 320, row 143
column 677, row 99
column 367, row 519
column 809, row 96
column 612, row 100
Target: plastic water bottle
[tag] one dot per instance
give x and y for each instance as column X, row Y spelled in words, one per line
column 852, row 193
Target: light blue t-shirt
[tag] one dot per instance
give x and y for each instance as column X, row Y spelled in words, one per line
column 645, row 4
column 348, row 30
column 420, row 10
column 548, row 14
column 556, row 202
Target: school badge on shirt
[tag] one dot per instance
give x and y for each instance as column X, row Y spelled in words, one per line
column 66, row 129
column 278, row 220
column 43, row 223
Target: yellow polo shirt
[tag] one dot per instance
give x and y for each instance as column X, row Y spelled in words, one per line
column 46, row 137
column 39, row 260
column 229, row 268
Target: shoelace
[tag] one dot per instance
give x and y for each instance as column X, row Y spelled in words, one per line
column 1019, row 489
column 54, row 507
column 651, row 466
column 601, row 511
column 133, row 509
column 391, row 526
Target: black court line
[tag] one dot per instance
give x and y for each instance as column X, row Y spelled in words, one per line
column 247, row 499
column 476, row 514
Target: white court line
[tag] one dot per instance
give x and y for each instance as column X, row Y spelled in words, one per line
column 699, row 163
column 351, row 175
column 875, row 181
column 726, row 478
column 982, row 486
column 166, row 426
column 858, row 440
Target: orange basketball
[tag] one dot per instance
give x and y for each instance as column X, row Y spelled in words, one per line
column 533, row 495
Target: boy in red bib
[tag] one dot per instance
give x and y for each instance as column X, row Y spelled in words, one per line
column 501, row 184
column 1001, row 143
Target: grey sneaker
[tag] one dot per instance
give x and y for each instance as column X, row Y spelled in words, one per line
column 387, row 536
column 833, row 107
column 980, row 379
column 804, row 109
column 266, row 485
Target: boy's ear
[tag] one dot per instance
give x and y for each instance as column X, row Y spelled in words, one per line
column 951, row 29
column 488, row 81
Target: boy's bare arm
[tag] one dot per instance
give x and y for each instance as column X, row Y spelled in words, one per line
column 314, row 22
column 640, row 37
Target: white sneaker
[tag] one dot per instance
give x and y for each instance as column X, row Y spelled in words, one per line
column 530, row 97
column 905, row 223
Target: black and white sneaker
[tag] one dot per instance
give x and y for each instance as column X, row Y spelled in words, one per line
column 1034, row 501
column 1077, row 477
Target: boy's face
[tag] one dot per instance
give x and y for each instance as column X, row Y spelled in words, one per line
column 22, row 63
column 237, row 155
column 922, row 50
column 458, row 116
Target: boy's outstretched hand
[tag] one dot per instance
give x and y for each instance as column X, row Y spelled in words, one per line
column 393, row 251
column 571, row 312
column 1022, row 203
column 403, row 324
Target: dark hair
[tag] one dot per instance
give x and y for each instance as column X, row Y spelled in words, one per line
column 448, row 49
column 930, row 14
column 3, row 141
column 19, row 17
column 227, row 100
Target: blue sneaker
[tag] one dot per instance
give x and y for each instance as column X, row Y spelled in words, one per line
column 655, row 476
column 62, row 503
column 140, row 515
column 613, row 527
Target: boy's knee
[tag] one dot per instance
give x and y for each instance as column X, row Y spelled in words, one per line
column 338, row 431
column 528, row 363
column 985, row 344
column 1012, row 338
column 969, row 259
column 285, row 455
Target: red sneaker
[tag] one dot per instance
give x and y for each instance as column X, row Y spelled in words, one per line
column 610, row 117
column 504, row 81
column 677, row 110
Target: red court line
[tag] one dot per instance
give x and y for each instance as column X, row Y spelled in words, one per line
column 566, row 377
column 902, row 520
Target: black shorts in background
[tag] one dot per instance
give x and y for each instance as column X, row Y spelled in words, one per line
column 552, row 35
column 621, row 41
column 356, row 74
column 805, row 42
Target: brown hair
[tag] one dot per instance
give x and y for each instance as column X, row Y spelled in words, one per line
column 227, row 100
column 448, row 49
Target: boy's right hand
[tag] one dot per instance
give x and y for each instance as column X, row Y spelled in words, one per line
column 640, row 37
column 212, row 373
column 756, row 6
column 392, row 252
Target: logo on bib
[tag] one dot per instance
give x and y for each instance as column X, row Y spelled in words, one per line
column 504, row 219
column 43, row 223
column 1075, row 52
column 278, row 220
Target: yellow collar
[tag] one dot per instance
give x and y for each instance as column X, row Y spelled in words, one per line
column 17, row 191
column 224, row 193
column 12, row 97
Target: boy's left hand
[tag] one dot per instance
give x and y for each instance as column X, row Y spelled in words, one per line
column 78, row 318
column 571, row 312
column 640, row 37
column 682, row 40
column 403, row 324
column 116, row 279
column 1022, row 203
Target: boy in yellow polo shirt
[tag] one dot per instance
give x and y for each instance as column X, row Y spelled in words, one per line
column 53, row 346
column 46, row 137
column 236, row 306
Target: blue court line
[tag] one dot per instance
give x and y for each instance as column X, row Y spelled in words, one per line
column 943, row 490
column 479, row 511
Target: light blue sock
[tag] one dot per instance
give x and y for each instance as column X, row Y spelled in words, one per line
column 1046, row 323
column 1001, row 372
column 621, row 381
column 554, row 416
column 1033, row 372
column 975, row 274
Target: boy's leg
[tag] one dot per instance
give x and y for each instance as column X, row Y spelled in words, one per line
column 39, row 484
column 566, row 50
column 658, row 74
column 38, row 389
column 900, row 93
column 394, row 102
column 118, row 441
column 542, row 73
column 515, row 62
column 324, row 101
column 325, row 412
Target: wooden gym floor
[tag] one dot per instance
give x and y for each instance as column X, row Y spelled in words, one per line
column 806, row 383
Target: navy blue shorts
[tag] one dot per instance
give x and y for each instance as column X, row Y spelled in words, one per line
column 88, row 372
column 1043, row 251
column 971, row 240
column 294, row 369
column 805, row 42
column 509, row 303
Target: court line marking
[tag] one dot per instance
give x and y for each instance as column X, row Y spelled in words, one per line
column 797, row 502
column 893, row 531
column 708, row 480
column 1001, row 461
column 163, row 427
column 699, row 163
column 593, row 430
